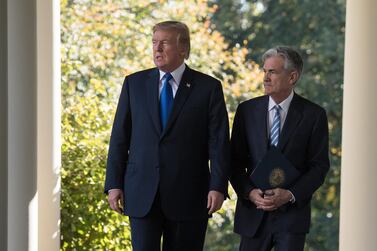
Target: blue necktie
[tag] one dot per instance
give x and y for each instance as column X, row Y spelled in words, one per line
column 166, row 99
column 275, row 128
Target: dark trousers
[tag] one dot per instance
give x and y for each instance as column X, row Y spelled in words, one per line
column 269, row 236
column 146, row 232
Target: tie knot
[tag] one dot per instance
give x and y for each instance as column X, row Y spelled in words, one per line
column 277, row 108
column 168, row 76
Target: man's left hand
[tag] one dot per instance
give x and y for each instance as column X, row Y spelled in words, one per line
column 276, row 198
column 215, row 201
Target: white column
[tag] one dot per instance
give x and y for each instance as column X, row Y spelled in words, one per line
column 48, row 124
column 33, row 122
column 22, row 120
column 358, row 217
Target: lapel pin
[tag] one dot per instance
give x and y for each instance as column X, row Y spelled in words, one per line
column 188, row 85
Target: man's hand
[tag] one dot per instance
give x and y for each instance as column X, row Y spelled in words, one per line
column 256, row 196
column 215, row 201
column 259, row 199
column 277, row 196
column 271, row 199
column 116, row 200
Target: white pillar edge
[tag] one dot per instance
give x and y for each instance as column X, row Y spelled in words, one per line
column 3, row 125
column 21, row 125
column 48, row 124
column 358, row 203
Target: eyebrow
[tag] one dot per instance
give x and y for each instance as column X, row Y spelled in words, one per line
column 272, row 69
column 163, row 40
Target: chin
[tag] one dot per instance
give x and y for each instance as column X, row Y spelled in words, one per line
column 159, row 65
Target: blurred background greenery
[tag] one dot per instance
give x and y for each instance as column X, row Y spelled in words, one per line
column 104, row 40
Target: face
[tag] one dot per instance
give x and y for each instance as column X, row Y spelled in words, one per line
column 278, row 82
column 168, row 55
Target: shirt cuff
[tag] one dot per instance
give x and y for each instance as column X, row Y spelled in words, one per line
column 293, row 199
column 114, row 189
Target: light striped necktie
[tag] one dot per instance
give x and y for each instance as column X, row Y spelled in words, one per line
column 275, row 128
column 166, row 99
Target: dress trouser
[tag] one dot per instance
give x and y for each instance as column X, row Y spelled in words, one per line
column 146, row 232
column 268, row 236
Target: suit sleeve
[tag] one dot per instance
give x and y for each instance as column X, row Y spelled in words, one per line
column 317, row 160
column 218, row 141
column 239, row 157
column 119, row 142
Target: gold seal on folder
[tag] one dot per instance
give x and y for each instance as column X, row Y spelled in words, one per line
column 277, row 177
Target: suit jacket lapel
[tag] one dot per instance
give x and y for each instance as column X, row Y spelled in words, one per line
column 261, row 123
column 184, row 90
column 151, row 85
column 293, row 118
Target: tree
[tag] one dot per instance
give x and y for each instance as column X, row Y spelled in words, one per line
column 102, row 41
column 316, row 29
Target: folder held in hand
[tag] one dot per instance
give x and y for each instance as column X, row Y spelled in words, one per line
column 274, row 171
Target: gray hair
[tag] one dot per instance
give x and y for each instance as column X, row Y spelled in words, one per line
column 182, row 30
column 292, row 59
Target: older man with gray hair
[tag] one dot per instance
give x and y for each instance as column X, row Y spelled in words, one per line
column 297, row 129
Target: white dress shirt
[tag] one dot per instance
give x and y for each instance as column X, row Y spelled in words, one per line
column 174, row 82
column 284, row 105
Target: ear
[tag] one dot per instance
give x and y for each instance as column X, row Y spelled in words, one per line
column 182, row 54
column 293, row 77
column 182, row 50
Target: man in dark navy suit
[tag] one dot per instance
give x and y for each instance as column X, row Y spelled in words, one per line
column 168, row 161
column 278, row 217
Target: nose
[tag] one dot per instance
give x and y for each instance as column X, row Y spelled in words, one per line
column 266, row 76
column 158, row 46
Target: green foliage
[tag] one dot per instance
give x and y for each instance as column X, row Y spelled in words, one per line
column 86, row 221
column 316, row 29
column 102, row 41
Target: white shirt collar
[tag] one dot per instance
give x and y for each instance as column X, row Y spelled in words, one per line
column 177, row 73
column 284, row 104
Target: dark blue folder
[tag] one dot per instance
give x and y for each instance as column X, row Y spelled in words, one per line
column 274, row 170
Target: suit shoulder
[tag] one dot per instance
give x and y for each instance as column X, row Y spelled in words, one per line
column 205, row 78
column 253, row 102
column 310, row 106
column 141, row 74
column 256, row 100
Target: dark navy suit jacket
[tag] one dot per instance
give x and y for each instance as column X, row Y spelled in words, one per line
column 183, row 162
column 303, row 141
